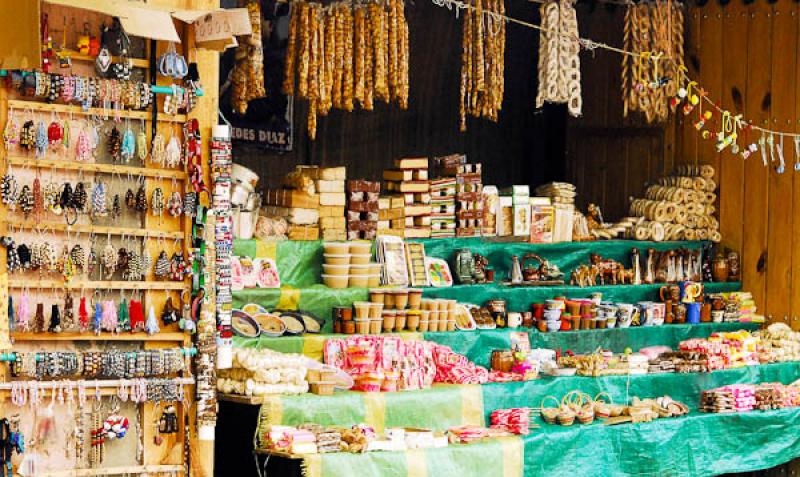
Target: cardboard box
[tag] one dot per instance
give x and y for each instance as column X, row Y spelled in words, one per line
column 391, row 214
column 333, row 173
column 417, row 209
column 522, row 220
column 331, row 234
column 564, row 222
column 542, row 223
column 505, row 217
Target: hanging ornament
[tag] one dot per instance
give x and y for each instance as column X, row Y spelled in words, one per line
column 190, row 204
column 109, row 260
column 38, row 199
column 55, row 320
column 27, row 138
column 38, row 318
column 115, row 144
column 23, row 315
column 66, row 137
column 136, row 313
column 52, row 199
column 692, row 99
column 55, row 134
column 79, row 197
column 83, row 314
column 25, row 256
column 41, row 140
column 170, row 314
column 8, row 190
column 158, row 149
column 26, row 200
column 797, row 153
column 187, row 323
column 13, row 263
column 108, row 320
column 130, row 200
column 141, row 145
column 162, row 268
column 83, row 147
column 781, row 161
column 78, row 256
column 68, row 320
column 128, row 145
column 123, row 319
column 157, row 202
column 151, row 326
column 172, row 153
column 116, row 207
column 141, row 199
column 99, row 205
column 700, row 123
column 98, row 318
column 175, row 204
column 11, row 131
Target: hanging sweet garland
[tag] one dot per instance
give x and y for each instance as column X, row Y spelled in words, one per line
column 344, row 54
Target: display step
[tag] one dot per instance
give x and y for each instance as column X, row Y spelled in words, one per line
column 477, row 345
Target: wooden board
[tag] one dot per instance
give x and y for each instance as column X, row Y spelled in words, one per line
column 779, row 246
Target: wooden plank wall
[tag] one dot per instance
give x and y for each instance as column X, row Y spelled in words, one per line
column 745, row 56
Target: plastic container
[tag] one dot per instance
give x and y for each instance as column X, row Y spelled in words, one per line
column 362, row 326
column 376, row 296
column 375, row 268
column 360, row 248
column 412, row 320
column 320, row 375
column 335, row 281
column 400, row 299
column 375, row 326
column 433, row 325
column 400, row 320
column 374, row 281
column 349, row 327
column 359, row 269
column 358, row 281
column 361, row 259
column 375, row 310
column 362, row 309
column 424, row 326
column 451, row 325
column 337, row 270
column 414, row 298
column 336, row 259
column 388, row 300
column 389, row 318
column 336, row 248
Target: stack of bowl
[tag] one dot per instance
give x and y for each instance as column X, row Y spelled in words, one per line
column 401, row 308
column 441, row 315
column 347, row 264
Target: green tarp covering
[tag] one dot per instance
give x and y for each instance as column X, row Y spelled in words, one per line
column 692, row 446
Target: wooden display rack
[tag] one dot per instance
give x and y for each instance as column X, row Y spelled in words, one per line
column 169, row 457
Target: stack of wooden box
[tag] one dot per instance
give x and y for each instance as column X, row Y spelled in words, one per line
column 443, row 195
column 362, row 209
column 297, row 202
column 409, row 190
column 469, row 199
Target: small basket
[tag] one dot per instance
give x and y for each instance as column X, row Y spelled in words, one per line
column 566, row 417
column 550, row 414
column 602, row 409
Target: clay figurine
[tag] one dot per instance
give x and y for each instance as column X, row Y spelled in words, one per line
column 609, row 269
column 636, row 266
column 650, row 266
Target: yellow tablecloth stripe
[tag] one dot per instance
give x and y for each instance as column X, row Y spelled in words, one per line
column 267, row 249
column 313, row 346
column 375, row 410
column 289, row 299
column 312, row 465
column 512, row 456
column 416, row 463
column 472, row 404
column 274, row 409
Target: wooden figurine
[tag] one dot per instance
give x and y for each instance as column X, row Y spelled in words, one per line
column 733, row 266
column 609, row 269
column 585, row 276
column 636, row 266
column 650, row 266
